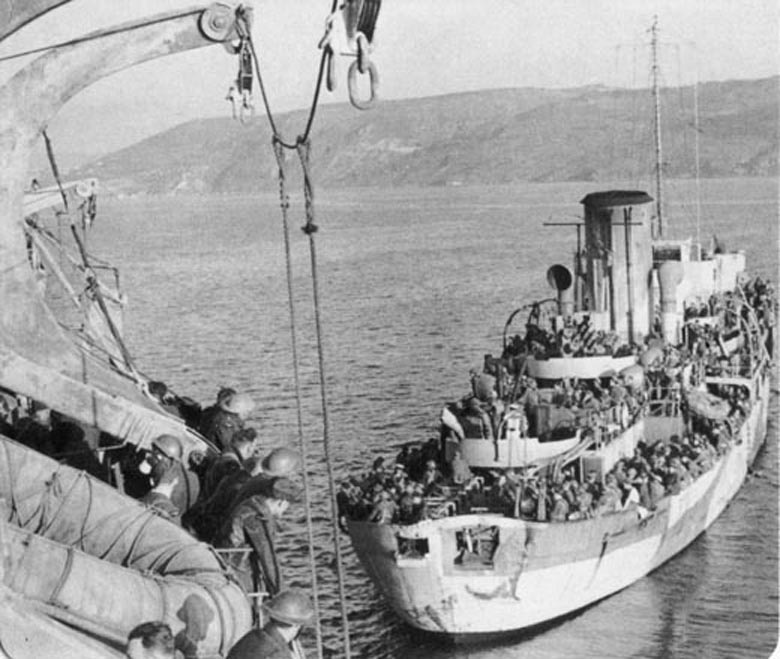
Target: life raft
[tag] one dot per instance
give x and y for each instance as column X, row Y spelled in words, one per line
column 89, row 556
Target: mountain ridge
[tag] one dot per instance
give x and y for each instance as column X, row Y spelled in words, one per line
column 494, row 136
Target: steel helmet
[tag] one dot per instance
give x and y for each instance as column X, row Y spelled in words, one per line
column 484, row 386
column 240, row 404
column 281, row 462
column 169, row 446
column 292, row 607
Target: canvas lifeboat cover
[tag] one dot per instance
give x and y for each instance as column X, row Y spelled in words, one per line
column 104, row 563
column 707, row 405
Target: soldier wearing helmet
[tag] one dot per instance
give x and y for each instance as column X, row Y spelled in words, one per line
column 242, row 446
column 208, row 413
column 165, row 460
column 209, row 512
column 151, row 640
column 287, row 613
column 281, row 462
column 229, row 417
column 252, row 523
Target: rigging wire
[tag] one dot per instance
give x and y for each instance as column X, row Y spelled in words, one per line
column 285, row 205
column 310, row 229
column 93, row 283
column 302, row 146
column 54, row 169
column 244, row 31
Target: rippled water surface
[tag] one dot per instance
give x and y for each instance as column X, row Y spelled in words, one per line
column 415, row 287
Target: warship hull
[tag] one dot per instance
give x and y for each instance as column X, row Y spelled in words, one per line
column 543, row 571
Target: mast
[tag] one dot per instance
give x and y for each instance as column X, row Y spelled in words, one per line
column 697, row 157
column 657, row 126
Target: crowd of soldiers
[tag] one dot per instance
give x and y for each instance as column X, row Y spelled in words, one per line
column 232, row 499
column 419, row 484
column 572, row 338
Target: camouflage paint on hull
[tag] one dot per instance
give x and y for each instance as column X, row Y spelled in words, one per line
column 542, row 571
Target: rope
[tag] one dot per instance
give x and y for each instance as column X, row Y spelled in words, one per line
column 301, row 146
column 285, row 205
column 303, row 149
column 243, row 28
column 93, row 284
column 54, row 169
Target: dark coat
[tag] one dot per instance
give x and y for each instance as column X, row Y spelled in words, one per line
column 226, row 464
column 186, row 491
column 265, row 643
column 220, row 427
column 206, row 516
column 250, row 524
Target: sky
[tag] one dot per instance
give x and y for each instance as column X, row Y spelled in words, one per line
column 422, row 48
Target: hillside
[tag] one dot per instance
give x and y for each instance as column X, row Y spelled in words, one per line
column 495, row 136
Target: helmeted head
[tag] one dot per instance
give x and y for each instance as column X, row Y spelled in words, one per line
column 483, row 386
column 224, row 393
column 158, row 389
column 166, row 450
column 281, row 462
column 169, row 446
column 290, row 607
column 150, row 640
column 241, row 405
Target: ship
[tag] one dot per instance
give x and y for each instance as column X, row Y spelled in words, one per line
column 492, row 556
column 603, row 438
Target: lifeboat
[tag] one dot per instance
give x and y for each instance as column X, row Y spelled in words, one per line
column 85, row 554
column 25, row 632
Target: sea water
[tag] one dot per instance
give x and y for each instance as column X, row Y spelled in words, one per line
column 415, row 287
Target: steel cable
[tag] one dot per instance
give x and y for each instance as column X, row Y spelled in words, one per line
column 301, row 145
column 285, row 204
column 310, row 229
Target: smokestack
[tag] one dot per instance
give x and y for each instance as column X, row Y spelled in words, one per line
column 618, row 248
column 669, row 277
column 561, row 279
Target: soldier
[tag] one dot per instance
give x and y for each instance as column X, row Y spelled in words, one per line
column 166, row 455
column 251, row 524
column 229, row 417
column 287, row 613
column 208, row 412
column 209, row 512
column 242, row 446
column 385, row 509
column 150, row 640
column 560, row 509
